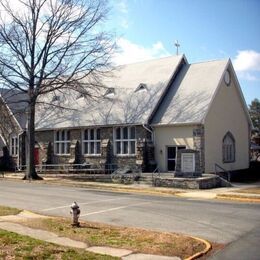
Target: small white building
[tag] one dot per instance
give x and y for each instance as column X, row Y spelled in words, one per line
column 204, row 110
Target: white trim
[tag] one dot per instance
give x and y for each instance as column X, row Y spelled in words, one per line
column 176, row 124
column 12, row 115
column 241, row 95
column 88, row 126
column 215, row 92
column 237, row 86
column 14, row 145
column 3, row 140
column 167, row 87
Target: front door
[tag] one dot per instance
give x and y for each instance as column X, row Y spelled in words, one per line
column 171, row 157
column 36, row 155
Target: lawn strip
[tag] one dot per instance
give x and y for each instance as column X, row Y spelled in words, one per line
column 5, row 211
column 237, row 197
column 15, row 246
column 135, row 239
column 255, row 190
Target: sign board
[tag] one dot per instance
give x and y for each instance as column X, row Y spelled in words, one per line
column 188, row 162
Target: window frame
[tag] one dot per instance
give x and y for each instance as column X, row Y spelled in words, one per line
column 60, row 142
column 90, row 141
column 14, row 145
column 177, row 148
column 228, row 150
column 124, row 143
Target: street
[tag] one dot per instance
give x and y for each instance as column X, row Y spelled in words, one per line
column 217, row 221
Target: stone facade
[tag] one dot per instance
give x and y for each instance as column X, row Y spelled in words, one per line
column 199, row 144
column 197, row 169
column 144, row 157
column 208, row 181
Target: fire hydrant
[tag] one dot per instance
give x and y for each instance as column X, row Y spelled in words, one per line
column 75, row 212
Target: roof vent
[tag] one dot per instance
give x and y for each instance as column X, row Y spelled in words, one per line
column 141, row 87
column 110, row 92
column 83, row 94
column 55, row 98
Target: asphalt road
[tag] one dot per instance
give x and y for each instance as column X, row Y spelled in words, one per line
column 217, row 221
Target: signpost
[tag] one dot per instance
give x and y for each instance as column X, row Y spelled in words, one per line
column 187, row 162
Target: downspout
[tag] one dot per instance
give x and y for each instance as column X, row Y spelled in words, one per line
column 150, row 131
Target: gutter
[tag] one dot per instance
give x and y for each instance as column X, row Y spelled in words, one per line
column 150, row 131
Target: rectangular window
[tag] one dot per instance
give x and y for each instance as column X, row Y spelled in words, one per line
column 62, row 142
column 91, row 141
column 14, row 146
column 172, row 156
column 125, row 140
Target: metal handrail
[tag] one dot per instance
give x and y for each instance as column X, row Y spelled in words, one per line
column 156, row 174
column 223, row 170
column 66, row 167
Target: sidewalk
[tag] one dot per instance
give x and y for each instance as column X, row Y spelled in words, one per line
column 227, row 193
column 7, row 223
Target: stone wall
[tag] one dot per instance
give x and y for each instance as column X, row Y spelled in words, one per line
column 143, row 158
column 197, row 161
column 209, row 181
column 199, row 144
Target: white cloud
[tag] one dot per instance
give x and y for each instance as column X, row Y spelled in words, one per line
column 130, row 52
column 247, row 76
column 247, row 60
column 247, row 65
column 122, row 6
column 124, row 23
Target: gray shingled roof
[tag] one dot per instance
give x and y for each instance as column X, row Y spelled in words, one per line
column 127, row 106
column 188, row 99
column 16, row 101
column 2, row 143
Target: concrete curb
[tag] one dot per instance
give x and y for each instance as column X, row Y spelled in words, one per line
column 203, row 252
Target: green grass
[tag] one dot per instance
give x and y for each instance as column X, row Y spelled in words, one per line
column 135, row 239
column 4, row 211
column 14, row 246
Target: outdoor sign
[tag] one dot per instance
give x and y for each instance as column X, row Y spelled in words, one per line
column 187, row 162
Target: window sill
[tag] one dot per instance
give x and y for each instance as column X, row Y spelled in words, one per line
column 125, row 155
column 92, row 155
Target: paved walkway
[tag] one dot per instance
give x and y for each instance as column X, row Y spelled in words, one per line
column 6, row 223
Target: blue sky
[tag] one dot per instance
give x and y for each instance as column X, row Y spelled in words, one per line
column 206, row 30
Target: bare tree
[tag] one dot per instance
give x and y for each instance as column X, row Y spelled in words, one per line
column 51, row 45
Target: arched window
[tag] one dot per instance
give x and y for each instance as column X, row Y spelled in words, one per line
column 228, row 147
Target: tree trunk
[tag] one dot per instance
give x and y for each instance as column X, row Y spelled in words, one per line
column 30, row 169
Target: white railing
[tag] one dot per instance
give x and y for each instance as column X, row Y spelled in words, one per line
column 66, row 168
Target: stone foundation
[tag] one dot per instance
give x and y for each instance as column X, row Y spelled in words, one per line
column 206, row 182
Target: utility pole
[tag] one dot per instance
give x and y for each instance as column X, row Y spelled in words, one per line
column 177, row 45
